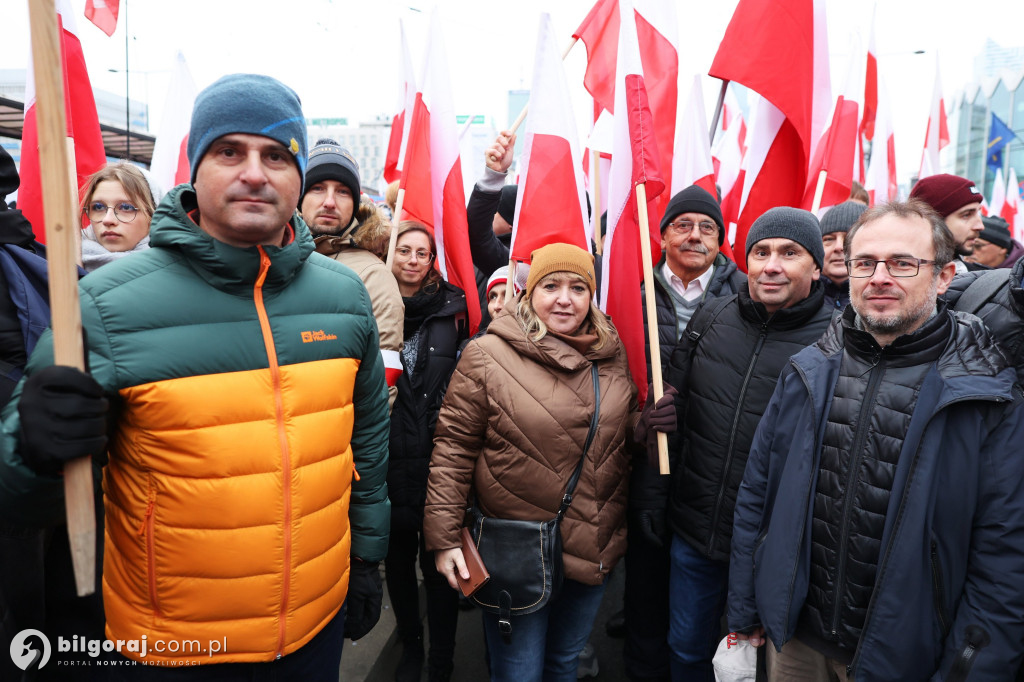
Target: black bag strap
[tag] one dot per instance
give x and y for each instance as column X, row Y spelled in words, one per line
column 575, row 478
column 981, row 290
column 706, row 315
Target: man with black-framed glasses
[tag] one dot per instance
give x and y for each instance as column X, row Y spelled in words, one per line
column 879, row 528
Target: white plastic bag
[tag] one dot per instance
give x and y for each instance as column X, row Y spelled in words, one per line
column 735, row 660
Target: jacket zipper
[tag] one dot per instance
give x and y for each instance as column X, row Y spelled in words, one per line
column 146, row 529
column 717, row 509
column 286, row 473
column 856, row 455
column 884, row 563
column 939, row 591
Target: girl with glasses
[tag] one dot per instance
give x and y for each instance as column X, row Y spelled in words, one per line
column 118, row 203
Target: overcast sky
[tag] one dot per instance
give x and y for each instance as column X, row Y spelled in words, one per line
column 342, row 56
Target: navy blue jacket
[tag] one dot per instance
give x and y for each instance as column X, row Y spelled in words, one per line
column 953, row 538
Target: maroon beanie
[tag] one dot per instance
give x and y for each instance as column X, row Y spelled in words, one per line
column 946, row 193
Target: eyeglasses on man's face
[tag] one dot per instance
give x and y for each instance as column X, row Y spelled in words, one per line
column 406, row 253
column 897, row 267
column 123, row 211
column 684, row 227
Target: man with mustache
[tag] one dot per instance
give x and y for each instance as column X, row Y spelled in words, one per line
column 691, row 271
column 879, row 526
column 958, row 202
column 724, row 369
column 834, row 226
column 236, row 385
column 355, row 234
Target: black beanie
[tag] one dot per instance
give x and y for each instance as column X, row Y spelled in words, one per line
column 784, row 222
column 330, row 161
column 9, row 179
column 507, row 203
column 996, row 231
column 840, row 218
column 694, row 199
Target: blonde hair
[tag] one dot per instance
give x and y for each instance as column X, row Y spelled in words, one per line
column 536, row 329
column 130, row 178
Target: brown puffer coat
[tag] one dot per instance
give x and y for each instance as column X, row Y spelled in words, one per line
column 512, row 428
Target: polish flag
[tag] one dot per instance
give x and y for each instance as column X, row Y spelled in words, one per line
column 432, row 173
column 103, row 13
column 170, row 161
column 880, row 181
column 657, row 31
column 867, row 121
column 82, row 121
column 551, row 205
column 693, row 163
column 634, row 161
column 392, row 366
column 728, row 154
column 998, row 201
column 795, row 99
column 395, row 157
column 836, row 157
column 936, row 136
column 1013, row 209
column 732, row 113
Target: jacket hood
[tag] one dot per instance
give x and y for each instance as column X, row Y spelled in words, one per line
column 548, row 351
column 226, row 267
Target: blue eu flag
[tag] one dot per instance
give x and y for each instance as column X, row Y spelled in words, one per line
column 999, row 136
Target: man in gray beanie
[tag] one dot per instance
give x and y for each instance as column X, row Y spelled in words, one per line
column 834, row 226
column 246, row 398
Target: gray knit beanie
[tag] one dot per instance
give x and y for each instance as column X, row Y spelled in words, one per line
column 251, row 104
column 328, row 160
column 841, row 218
column 784, row 222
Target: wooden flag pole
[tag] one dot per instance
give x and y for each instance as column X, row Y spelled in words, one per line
column 59, row 200
column 718, row 111
column 819, row 190
column 394, row 228
column 652, row 317
column 598, row 240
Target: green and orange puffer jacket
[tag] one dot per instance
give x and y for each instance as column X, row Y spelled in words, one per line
column 248, row 446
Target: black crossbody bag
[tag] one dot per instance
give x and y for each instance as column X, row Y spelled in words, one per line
column 524, row 558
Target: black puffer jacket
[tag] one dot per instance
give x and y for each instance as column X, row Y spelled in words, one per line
column 725, row 380
column 1003, row 313
column 874, row 400
column 420, row 392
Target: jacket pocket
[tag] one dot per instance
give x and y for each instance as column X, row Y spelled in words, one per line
column 146, row 530
column 939, row 592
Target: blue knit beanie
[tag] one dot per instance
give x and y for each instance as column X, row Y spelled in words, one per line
column 252, row 104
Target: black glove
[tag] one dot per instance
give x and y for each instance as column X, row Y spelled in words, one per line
column 364, row 597
column 659, row 416
column 63, row 417
column 652, row 525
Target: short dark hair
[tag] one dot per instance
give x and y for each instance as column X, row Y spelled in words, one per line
column 942, row 238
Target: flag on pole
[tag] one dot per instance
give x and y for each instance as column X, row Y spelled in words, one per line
column 999, row 136
column 880, row 181
column 867, row 121
column 836, row 156
column 795, row 97
column 170, row 162
column 551, row 205
column 103, row 13
column 728, row 154
column 432, row 173
column 394, row 160
column 998, row 202
column 82, row 121
column 634, row 160
column 1013, row 209
column 936, row 135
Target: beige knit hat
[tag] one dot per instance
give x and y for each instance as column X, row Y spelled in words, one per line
column 559, row 257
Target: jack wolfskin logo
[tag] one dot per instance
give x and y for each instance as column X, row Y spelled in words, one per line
column 310, row 337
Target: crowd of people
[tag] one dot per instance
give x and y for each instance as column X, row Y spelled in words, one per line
column 283, row 419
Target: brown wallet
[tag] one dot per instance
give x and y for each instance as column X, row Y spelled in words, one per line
column 478, row 575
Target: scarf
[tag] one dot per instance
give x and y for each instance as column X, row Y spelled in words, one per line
column 421, row 306
column 94, row 254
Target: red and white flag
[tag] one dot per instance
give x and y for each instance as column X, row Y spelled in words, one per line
column 634, row 161
column 82, row 122
column 657, row 32
column 395, row 157
column 103, row 13
column 551, row 205
column 432, row 173
column 880, row 181
column 936, row 135
column 170, row 159
column 998, row 201
column 1013, row 209
column 795, row 97
column 870, row 113
column 727, row 154
column 836, row 157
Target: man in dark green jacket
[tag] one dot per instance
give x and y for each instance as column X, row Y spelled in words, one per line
column 244, row 413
